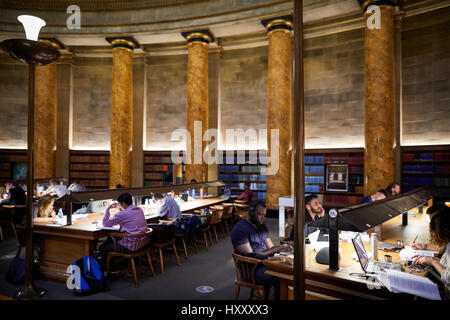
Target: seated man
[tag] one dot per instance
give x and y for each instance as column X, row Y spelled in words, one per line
column 56, row 189
column 251, row 235
column 76, row 186
column 131, row 220
column 247, row 194
column 393, row 189
column 169, row 208
column 16, row 195
column 313, row 211
column 379, row 195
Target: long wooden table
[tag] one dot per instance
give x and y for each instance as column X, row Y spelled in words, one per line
column 327, row 284
column 62, row 245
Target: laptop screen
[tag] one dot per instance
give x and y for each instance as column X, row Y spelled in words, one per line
column 360, row 251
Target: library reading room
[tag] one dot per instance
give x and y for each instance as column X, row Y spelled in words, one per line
column 261, row 150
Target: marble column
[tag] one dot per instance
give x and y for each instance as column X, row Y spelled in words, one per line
column 279, row 96
column 379, row 157
column 45, row 102
column 197, row 101
column 121, row 112
column 379, row 114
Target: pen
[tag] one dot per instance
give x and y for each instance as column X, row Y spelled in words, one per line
column 415, row 239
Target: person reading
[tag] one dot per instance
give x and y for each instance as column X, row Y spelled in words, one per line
column 247, row 194
column 56, row 189
column 169, row 208
column 16, row 195
column 251, row 235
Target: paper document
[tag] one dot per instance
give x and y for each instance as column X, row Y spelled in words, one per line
column 100, row 226
column 397, row 281
column 408, row 252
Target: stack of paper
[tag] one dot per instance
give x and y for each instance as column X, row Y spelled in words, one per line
column 408, row 252
column 397, row 281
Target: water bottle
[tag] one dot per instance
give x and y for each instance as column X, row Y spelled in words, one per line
column 374, row 245
column 60, row 215
column 307, row 253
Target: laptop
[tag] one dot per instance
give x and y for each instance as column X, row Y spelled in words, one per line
column 372, row 266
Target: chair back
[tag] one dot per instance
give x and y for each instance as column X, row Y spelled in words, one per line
column 206, row 220
column 131, row 243
column 162, row 233
column 227, row 210
column 217, row 212
column 241, row 210
column 245, row 268
column 241, row 201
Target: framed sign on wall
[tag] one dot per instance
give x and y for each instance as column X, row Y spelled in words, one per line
column 337, row 177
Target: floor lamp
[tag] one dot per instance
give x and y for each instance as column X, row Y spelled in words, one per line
column 33, row 53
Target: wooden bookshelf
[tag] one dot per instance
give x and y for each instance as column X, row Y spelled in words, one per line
column 11, row 160
column 426, row 166
column 159, row 169
column 235, row 175
column 90, row 167
column 316, row 162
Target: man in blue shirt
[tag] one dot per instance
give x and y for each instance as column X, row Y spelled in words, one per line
column 379, row 195
column 169, row 208
column 250, row 235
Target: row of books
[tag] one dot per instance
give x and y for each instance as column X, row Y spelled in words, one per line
column 5, row 174
column 228, row 168
column 157, row 159
column 253, row 186
column 421, row 168
column 313, row 159
column 417, row 157
column 342, row 198
column 13, row 157
column 442, row 156
column 313, row 169
column 254, row 159
column 89, row 175
column 313, row 188
column 358, row 180
column 242, row 177
column 418, row 181
column 356, row 160
column 5, row 165
column 250, row 168
column 148, row 183
column 89, row 166
column 356, row 169
column 314, row 179
column 255, row 195
column 89, row 159
column 336, row 158
column 442, row 181
column 154, row 175
column 442, row 169
column 164, row 167
column 356, row 189
column 95, row 183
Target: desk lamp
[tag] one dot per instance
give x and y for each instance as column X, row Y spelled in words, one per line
column 33, row 53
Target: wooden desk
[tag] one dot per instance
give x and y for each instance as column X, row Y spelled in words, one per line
column 339, row 284
column 62, row 245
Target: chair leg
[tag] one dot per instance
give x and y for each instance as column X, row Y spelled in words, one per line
column 210, row 236
column 1, row 233
column 14, row 229
column 108, row 264
column 176, row 254
column 222, row 229
column 133, row 267
column 226, row 225
column 161, row 260
column 185, row 248
column 215, row 232
column 236, row 292
column 206, row 240
column 150, row 263
column 251, row 294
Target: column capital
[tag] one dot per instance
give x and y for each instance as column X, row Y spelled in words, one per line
column 123, row 42
column 204, row 36
column 279, row 23
column 53, row 42
column 366, row 3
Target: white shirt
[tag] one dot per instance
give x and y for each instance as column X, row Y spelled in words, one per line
column 60, row 190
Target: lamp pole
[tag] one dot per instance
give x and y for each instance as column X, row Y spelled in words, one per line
column 33, row 53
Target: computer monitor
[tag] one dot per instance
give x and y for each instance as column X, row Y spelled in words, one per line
column 361, row 251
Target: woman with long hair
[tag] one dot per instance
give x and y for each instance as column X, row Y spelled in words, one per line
column 43, row 210
column 440, row 235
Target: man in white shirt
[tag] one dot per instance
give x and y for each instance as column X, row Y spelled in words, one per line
column 56, row 189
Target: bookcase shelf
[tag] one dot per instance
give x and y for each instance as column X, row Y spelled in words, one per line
column 90, row 167
column 159, row 169
column 13, row 164
column 315, row 167
column 426, row 166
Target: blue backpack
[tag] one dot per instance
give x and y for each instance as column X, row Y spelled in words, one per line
column 86, row 277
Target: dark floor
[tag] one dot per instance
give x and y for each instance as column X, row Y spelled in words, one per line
column 213, row 268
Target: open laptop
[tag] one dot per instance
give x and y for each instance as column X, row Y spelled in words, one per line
column 368, row 265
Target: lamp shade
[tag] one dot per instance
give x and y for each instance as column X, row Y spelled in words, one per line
column 32, row 26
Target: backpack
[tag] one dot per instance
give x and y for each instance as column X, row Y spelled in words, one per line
column 86, row 277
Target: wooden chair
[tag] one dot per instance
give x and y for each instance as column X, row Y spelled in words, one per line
column 205, row 229
column 7, row 218
column 179, row 236
column 241, row 210
column 245, row 276
column 227, row 215
column 163, row 236
column 241, row 201
column 130, row 246
column 216, row 220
